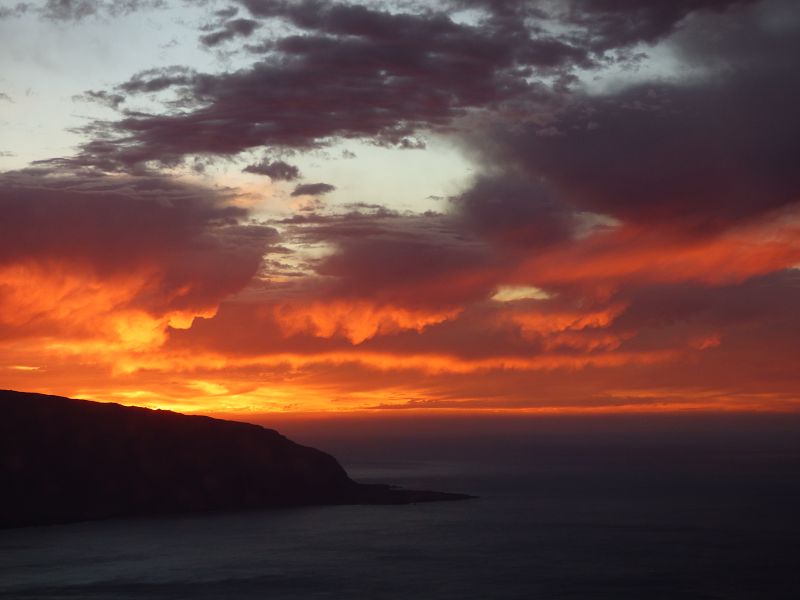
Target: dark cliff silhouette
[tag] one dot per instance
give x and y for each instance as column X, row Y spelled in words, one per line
column 65, row 460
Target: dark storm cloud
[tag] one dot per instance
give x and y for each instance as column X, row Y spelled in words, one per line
column 599, row 25
column 711, row 148
column 707, row 151
column 654, row 153
column 312, row 189
column 276, row 170
column 617, row 23
column 513, row 211
column 356, row 72
column 361, row 71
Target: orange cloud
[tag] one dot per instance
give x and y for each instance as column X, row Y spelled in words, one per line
column 589, row 342
column 66, row 304
column 428, row 363
column 556, row 327
column 706, row 341
column 534, row 323
column 70, row 326
column 354, row 320
column 631, row 253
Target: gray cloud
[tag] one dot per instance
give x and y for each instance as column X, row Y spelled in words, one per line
column 312, row 189
column 706, row 151
column 230, row 30
column 276, row 170
column 199, row 245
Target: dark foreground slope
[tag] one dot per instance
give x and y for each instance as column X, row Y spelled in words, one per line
column 67, row 460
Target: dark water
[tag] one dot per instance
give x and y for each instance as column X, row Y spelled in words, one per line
column 564, row 517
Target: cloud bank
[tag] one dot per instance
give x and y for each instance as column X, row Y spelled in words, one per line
column 644, row 231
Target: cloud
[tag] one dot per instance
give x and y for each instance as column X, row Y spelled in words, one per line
column 375, row 75
column 76, row 10
column 227, row 13
column 354, row 320
column 312, row 189
column 643, row 255
column 399, row 260
column 17, row 10
column 158, row 79
column 276, row 170
column 514, row 212
column 620, row 23
column 230, row 30
column 705, row 151
column 617, row 246
column 79, row 249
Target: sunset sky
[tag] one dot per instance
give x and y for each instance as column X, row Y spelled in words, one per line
column 250, row 206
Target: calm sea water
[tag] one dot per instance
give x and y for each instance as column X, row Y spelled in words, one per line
column 559, row 518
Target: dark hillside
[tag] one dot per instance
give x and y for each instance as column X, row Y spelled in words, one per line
column 68, row 460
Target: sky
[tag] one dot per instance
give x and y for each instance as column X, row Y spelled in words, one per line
column 475, row 207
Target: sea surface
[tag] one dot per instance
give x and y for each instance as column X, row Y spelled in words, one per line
column 564, row 516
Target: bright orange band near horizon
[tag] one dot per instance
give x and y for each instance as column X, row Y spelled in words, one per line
column 529, row 349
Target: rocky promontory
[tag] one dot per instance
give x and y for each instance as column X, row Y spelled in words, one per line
column 64, row 460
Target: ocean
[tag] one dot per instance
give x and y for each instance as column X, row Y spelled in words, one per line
column 568, row 515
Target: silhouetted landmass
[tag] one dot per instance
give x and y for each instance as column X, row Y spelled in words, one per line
column 65, row 460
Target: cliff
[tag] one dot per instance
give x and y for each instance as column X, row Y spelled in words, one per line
column 65, row 460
